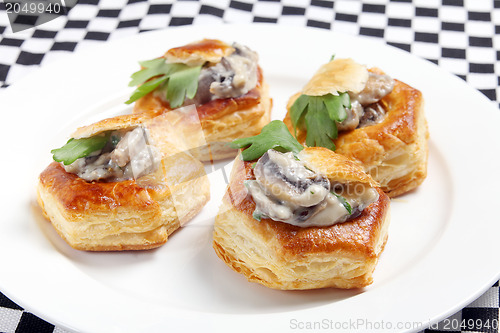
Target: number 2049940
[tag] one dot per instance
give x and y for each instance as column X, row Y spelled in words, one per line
column 453, row 324
column 32, row 8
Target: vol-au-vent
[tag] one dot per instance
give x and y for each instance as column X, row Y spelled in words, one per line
column 300, row 218
column 367, row 116
column 223, row 81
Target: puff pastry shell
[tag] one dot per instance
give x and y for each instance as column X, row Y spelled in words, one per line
column 282, row 256
column 125, row 215
column 394, row 151
column 222, row 120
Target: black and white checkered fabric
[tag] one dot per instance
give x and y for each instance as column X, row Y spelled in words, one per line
column 461, row 36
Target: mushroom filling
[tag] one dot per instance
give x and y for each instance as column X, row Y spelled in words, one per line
column 127, row 155
column 285, row 190
column 365, row 107
column 233, row 76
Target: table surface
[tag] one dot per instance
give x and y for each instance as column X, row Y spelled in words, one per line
column 461, row 36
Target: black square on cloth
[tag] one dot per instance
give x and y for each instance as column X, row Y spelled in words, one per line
column 477, row 320
column 480, row 41
column 371, row 32
column 426, row 37
column 177, row 21
column 429, row 12
column 288, row 10
column 479, row 16
column 395, row 22
column 346, row 17
column 459, row 3
column 318, row 24
column 369, row 8
column 241, row 5
column 159, row 9
column 322, row 3
column 129, row 24
column 4, row 70
column 63, row 46
column 11, row 42
column 259, row 19
column 88, row 2
column 26, row 19
column 453, row 26
column 481, row 68
column 39, row 33
column 453, row 53
column 490, row 93
column 401, row 46
column 96, row 35
column 108, row 13
column 4, row 301
column 28, row 58
column 2, row 30
column 76, row 24
column 205, row 9
column 32, row 324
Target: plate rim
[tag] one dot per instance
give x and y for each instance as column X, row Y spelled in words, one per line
column 167, row 31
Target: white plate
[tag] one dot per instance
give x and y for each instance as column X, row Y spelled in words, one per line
column 442, row 241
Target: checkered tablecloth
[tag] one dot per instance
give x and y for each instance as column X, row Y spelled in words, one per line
column 461, row 36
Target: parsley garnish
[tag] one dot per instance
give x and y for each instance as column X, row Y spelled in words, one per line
column 344, row 202
column 177, row 80
column 78, row 148
column 319, row 115
column 274, row 135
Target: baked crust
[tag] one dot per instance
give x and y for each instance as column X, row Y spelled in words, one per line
column 197, row 53
column 125, row 215
column 394, row 151
column 222, row 120
column 282, row 256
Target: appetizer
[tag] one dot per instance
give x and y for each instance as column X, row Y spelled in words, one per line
column 120, row 184
column 367, row 116
column 300, row 218
column 223, row 81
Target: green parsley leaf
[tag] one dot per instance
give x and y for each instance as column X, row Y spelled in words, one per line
column 257, row 215
column 78, row 148
column 177, row 80
column 150, row 69
column 319, row 115
column 182, row 83
column 146, row 88
column 344, row 202
column 274, row 135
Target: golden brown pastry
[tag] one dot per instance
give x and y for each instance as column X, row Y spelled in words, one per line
column 232, row 97
column 385, row 130
column 311, row 221
column 130, row 194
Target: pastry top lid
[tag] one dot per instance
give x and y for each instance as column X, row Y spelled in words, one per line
column 339, row 75
column 197, row 53
column 113, row 124
column 335, row 167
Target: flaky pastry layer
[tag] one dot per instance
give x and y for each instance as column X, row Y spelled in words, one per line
column 282, row 256
column 222, row 120
column 125, row 215
column 394, row 151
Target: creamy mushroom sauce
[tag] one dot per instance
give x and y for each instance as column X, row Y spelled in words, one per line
column 285, row 190
column 233, row 76
column 365, row 109
column 127, row 155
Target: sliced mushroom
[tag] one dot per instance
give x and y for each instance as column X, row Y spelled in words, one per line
column 285, row 178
